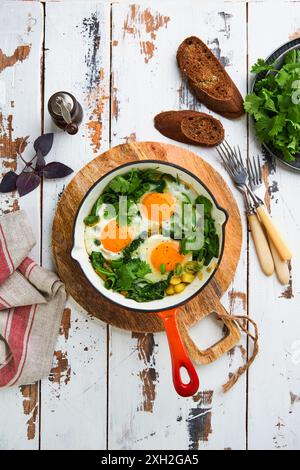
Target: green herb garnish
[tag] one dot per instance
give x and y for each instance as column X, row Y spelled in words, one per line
column 211, row 245
column 187, row 198
column 178, row 269
column 127, row 274
column 91, row 220
column 163, row 268
column 274, row 105
column 143, row 291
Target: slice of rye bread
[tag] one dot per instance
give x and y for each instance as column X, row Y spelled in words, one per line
column 208, row 79
column 190, row 127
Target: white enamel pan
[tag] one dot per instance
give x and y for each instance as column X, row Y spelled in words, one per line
column 167, row 307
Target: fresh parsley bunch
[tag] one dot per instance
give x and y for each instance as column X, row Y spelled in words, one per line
column 274, row 104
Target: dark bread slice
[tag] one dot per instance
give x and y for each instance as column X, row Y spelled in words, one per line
column 190, row 127
column 208, row 79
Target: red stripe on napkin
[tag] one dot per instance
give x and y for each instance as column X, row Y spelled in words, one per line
column 28, row 341
column 27, row 266
column 20, row 329
column 25, row 344
column 4, row 267
column 3, row 304
column 6, row 331
column 6, row 263
column 7, row 324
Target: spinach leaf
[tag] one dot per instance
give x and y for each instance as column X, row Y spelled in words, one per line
column 143, row 291
column 91, row 220
column 211, row 244
column 206, row 203
column 99, row 264
column 96, row 206
column 127, row 252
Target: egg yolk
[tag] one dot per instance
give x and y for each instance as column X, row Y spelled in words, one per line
column 158, row 206
column 115, row 238
column 166, row 253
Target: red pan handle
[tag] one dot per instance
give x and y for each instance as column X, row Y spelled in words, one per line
column 179, row 356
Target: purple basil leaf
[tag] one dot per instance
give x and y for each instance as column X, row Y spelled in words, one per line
column 27, row 182
column 23, row 144
column 8, row 182
column 56, row 170
column 44, row 143
column 40, row 161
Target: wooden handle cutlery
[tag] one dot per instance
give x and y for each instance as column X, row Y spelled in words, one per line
column 271, row 248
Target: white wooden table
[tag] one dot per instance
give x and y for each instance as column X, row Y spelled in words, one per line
column 108, row 388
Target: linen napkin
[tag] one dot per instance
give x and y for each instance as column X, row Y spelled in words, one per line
column 32, row 300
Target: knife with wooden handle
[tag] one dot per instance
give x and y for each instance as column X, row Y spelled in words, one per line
column 274, row 234
column 261, row 245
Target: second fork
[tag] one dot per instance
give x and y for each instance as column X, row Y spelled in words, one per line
column 232, row 160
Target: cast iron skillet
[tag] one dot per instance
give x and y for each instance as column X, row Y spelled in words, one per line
column 167, row 307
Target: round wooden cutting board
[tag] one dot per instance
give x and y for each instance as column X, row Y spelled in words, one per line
column 76, row 283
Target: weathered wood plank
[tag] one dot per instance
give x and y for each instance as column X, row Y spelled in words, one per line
column 274, row 411
column 77, row 60
column 77, row 382
column 21, row 32
column 145, row 81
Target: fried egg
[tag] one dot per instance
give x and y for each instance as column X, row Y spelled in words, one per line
column 108, row 237
column 157, row 209
column 159, row 251
column 115, row 238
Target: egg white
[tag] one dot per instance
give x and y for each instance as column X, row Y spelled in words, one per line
column 181, row 192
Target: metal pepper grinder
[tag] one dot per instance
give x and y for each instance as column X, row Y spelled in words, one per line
column 66, row 111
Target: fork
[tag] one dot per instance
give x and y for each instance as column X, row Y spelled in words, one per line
column 259, row 238
column 232, row 158
column 256, row 182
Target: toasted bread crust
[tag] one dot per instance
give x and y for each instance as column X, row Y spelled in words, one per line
column 208, row 79
column 190, row 127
